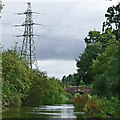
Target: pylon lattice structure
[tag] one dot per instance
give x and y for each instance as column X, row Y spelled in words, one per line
column 28, row 47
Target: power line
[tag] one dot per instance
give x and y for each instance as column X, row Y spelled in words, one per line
column 68, row 18
column 64, row 30
column 59, row 39
column 71, row 30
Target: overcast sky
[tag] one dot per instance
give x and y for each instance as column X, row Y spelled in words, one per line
column 61, row 36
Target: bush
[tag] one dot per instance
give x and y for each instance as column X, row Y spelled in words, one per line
column 80, row 102
column 15, row 78
column 23, row 86
column 95, row 107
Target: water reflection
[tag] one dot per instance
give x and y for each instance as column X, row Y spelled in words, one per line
column 56, row 111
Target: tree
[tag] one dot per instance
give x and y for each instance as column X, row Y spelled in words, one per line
column 1, row 7
column 95, row 36
column 97, row 43
column 113, row 20
column 92, row 37
column 64, row 79
column 85, row 61
column 105, row 70
column 69, row 80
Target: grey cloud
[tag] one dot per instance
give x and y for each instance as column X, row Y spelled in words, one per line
column 59, row 50
column 65, row 25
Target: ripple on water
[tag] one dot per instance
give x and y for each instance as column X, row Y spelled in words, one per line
column 46, row 111
column 56, row 111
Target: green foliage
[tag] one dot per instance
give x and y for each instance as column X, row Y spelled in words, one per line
column 92, row 37
column 96, row 44
column 69, row 80
column 66, row 98
column 96, row 37
column 99, row 65
column 105, row 70
column 45, row 90
column 113, row 20
column 0, row 7
column 102, row 54
column 113, row 17
column 95, row 107
column 85, row 61
column 16, row 82
column 80, row 102
column 23, row 86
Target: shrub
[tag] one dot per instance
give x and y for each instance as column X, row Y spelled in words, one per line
column 23, row 86
column 15, row 78
column 95, row 107
column 80, row 102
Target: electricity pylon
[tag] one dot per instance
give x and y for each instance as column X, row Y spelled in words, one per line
column 28, row 47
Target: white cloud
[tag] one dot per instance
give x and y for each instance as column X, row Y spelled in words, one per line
column 50, row 0
column 57, row 68
column 81, row 1
column 112, row 2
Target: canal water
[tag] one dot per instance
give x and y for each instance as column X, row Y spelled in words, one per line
column 55, row 111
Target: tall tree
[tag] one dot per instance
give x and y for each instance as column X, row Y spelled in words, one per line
column 105, row 70
column 97, row 43
column 85, row 61
column 113, row 19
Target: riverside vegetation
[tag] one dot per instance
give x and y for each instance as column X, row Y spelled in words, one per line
column 99, row 67
column 97, row 107
column 22, row 86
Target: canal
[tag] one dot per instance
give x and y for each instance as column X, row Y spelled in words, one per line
column 46, row 111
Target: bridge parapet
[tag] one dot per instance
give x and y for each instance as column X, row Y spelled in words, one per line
column 81, row 89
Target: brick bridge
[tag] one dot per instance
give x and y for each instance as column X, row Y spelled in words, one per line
column 74, row 89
